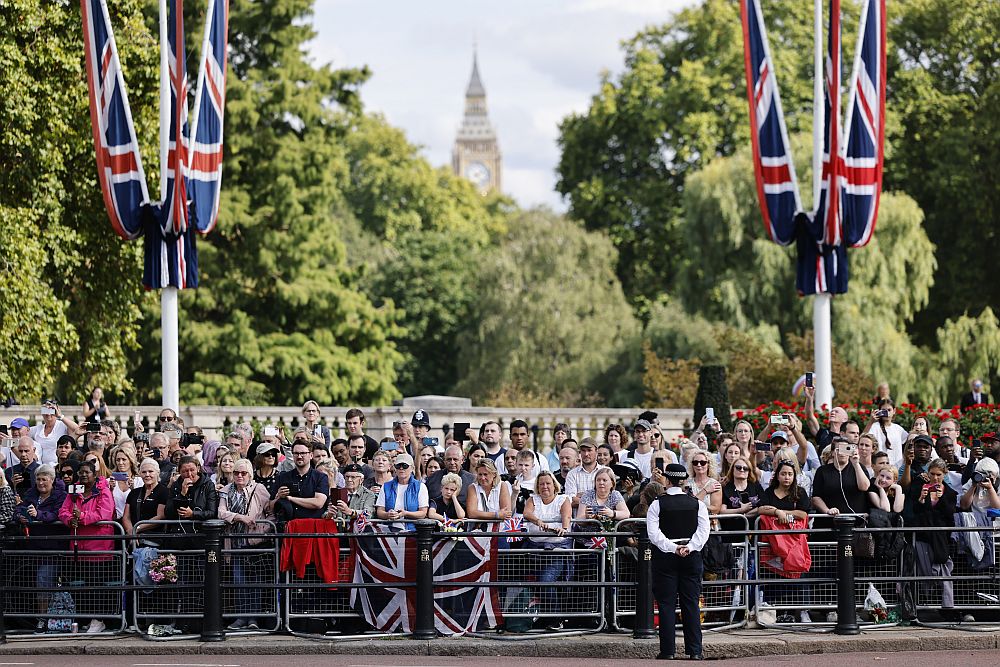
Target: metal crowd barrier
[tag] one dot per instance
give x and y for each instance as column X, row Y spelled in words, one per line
column 53, row 586
column 725, row 597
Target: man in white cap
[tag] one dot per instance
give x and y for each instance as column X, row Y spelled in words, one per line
column 405, row 497
column 678, row 528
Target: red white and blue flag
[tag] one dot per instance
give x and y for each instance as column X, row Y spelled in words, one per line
column 847, row 206
column 514, row 524
column 777, row 188
column 119, row 165
column 861, row 175
column 171, row 257
column 459, row 606
column 205, row 166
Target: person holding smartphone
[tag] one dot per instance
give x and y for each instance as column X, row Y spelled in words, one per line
column 933, row 505
column 841, row 486
column 741, row 494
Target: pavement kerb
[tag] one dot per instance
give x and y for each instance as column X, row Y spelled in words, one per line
column 739, row 644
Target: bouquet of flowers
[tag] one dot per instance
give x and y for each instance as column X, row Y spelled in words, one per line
column 163, row 569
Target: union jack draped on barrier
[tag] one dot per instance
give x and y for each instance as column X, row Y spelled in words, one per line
column 459, row 606
column 192, row 181
column 847, row 207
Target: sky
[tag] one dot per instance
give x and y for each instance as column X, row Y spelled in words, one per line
column 539, row 60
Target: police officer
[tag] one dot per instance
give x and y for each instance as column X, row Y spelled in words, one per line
column 678, row 528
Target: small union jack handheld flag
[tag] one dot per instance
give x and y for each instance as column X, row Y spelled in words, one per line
column 598, row 542
column 514, row 524
column 361, row 523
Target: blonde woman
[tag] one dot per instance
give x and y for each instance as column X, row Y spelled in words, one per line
column 310, row 417
column 489, row 497
column 703, row 482
column 124, row 478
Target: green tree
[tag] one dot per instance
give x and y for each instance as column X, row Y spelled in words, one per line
column 680, row 102
column 732, row 273
column 549, row 312
column 68, row 286
column 280, row 317
column 944, row 93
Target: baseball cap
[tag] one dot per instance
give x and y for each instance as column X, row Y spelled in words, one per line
column 403, row 457
column 643, row 424
column 780, row 434
column 19, row 422
column 926, row 439
column 420, row 418
column 266, row 447
column 587, row 442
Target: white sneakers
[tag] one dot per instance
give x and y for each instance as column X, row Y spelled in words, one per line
column 95, row 626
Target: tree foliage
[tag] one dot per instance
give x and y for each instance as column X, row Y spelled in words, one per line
column 548, row 313
column 69, row 287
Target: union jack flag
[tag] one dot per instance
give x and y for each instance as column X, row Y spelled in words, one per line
column 205, row 167
column 847, row 206
column 170, row 251
column 514, row 524
column 119, row 165
column 598, row 542
column 777, row 188
column 361, row 522
column 459, row 606
column 861, row 175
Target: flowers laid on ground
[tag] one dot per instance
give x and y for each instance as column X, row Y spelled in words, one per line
column 163, row 569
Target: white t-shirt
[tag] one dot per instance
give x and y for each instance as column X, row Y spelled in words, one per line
column 897, row 436
column 643, row 462
column 47, row 443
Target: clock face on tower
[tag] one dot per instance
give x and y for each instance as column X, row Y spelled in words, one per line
column 478, row 173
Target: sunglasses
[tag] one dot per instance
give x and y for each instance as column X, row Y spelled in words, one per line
column 741, row 468
column 166, row 419
column 67, row 473
column 655, row 435
column 240, row 472
column 699, row 463
column 402, row 466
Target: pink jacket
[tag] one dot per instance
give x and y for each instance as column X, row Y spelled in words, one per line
column 98, row 506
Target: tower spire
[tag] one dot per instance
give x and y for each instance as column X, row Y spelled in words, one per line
column 475, row 88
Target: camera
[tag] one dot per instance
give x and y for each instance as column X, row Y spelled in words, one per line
column 509, row 478
column 881, row 414
column 154, row 453
column 141, row 437
column 979, row 477
column 779, row 420
column 188, row 439
column 430, row 442
column 93, row 427
column 762, row 446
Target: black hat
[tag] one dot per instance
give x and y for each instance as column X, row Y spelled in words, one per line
column 926, row 439
column 420, row 418
column 626, row 469
column 352, row 467
column 675, row 472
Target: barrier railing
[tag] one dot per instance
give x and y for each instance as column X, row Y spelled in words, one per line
column 538, row 588
column 55, row 589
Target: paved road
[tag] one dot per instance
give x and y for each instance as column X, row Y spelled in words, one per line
column 910, row 659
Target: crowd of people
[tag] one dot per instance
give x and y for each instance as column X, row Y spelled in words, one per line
column 79, row 479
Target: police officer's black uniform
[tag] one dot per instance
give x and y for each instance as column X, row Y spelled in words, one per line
column 677, row 520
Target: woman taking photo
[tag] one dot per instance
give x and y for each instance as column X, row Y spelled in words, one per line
column 82, row 513
column 124, row 478
column 310, row 417
column 548, row 514
column 242, row 504
column 702, row 481
column 603, row 502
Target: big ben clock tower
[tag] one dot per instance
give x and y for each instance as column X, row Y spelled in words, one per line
column 476, row 155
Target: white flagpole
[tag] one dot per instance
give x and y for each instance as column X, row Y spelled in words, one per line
column 823, row 357
column 168, row 295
